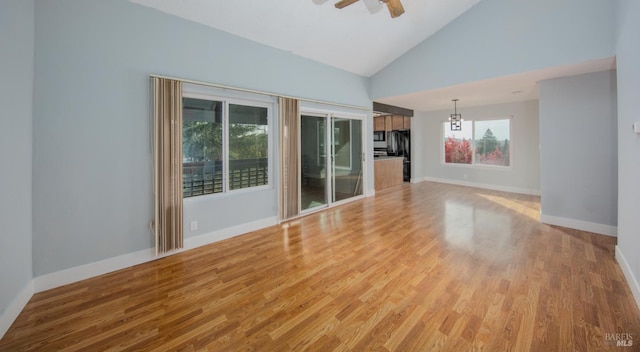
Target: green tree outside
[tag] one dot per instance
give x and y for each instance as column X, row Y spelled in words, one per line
column 487, row 144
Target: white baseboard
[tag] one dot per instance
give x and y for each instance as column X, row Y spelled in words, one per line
column 628, row 274
column 580, row 225
column 215, row 236
column 67, row 276
column 71, row 275
column 13, row 310
column 534, row 192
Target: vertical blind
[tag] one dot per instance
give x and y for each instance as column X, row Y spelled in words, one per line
column 168, row 225
column 289, row 157
column 168, row 164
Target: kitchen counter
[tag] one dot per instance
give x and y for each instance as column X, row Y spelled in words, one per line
column 387, row 172
column 386, row 157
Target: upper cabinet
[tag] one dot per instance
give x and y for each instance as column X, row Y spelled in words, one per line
column 394, row 118
column 407, row 123
column 388, row 123
column 391, row 123
column 398, row 122
column 378, row 123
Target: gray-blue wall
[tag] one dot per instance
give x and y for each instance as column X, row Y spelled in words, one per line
column 578, row 148
column 16, row 100
column 628, row 57
column 502, row 37
column 92, row 161
column 91, row 156
column 524, row 174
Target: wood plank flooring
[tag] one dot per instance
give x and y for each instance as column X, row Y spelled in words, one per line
column 422, row 267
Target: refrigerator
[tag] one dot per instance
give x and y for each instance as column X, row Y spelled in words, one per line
column 399, row 144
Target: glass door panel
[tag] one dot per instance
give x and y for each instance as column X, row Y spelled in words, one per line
column 313, row 165
column 346, row 166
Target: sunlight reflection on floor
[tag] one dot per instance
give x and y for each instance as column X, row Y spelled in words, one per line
column 458, row 223
column 524, row 209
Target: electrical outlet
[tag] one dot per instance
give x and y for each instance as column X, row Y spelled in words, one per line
column 194, row 225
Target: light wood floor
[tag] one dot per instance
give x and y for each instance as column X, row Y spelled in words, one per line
column 424, row 267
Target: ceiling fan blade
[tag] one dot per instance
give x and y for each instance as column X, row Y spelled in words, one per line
column 395, row 7
column 344, row 3
column 319, row 2
column 373, row 5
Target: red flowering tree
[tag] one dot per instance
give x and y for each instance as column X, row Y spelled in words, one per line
column 457, row 151
column 496, row 157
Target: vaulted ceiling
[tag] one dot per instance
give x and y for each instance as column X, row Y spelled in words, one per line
column 351, row 39
column 357, row 41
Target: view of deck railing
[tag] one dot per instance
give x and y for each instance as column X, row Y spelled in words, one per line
column 201, row 178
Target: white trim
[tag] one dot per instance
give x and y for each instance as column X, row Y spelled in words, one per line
column 602, row 229
column 328, row 115
column 474, row 164
column 82, row 272
column 628, row 274
column 244, row 99
column 15, row 308
column 215, row 236
column 533, row 192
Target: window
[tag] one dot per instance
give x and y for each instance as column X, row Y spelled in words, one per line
column 483, row 142
column 225, row 146
column 492, row 142
column 248, row 146
column 457, row 144
column 342, row 143
column 202, row 152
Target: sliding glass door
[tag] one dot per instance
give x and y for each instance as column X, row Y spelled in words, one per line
column 331, row 165
column 346, row 138
column 313, row 163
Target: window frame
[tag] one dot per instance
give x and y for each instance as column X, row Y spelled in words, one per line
column 236, row 98
column 474, row 164
column 328, row 112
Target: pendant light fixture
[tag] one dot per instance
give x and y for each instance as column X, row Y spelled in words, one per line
column 456, row 119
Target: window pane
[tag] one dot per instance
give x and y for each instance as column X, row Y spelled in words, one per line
column 457, row 144
column 248, row 146
column 313, row 181
column 342, row 143
column 347, row 156
column 201, row 147
column 492, row 142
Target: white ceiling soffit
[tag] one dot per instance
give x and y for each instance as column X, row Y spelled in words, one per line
column 514, row 88
column 352, row 38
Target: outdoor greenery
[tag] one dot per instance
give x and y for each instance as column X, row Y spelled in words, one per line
column 202, row 148
column 202, row 141
column 488, row 149
column 457, row 151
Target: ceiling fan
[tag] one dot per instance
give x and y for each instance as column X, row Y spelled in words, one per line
column 394, row 6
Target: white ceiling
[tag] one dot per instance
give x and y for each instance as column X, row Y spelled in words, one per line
column 518, row 87
column 354, row 40
column 351, row 39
